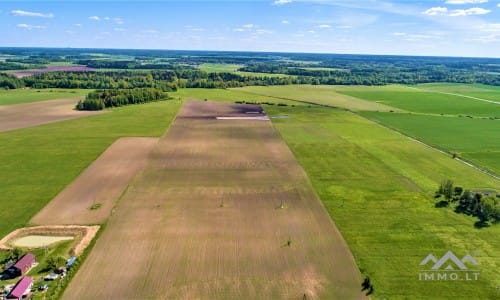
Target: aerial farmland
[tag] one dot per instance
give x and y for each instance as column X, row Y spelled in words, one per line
column 310, row 173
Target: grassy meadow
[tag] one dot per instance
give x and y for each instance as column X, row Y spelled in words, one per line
column 482, row 91
column 452, row 123
column 20, row 96
column 473, row 139
column 378, row 187
column 38, row 162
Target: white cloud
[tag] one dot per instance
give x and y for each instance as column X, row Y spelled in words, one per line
column 435, row 11
column 107, row 18
column 94, row 18
column 29, row 27
column 285, row 22
column 460, row 2
column 398, row 33
column 119, row 29
column 470, row 11
column 77, row 25
column 118, row 21
column 324, row 26
column 498, row 5
column 263, row 31
column 23, row 13
column 239, row 29
column 248, row 26
column 281, row 2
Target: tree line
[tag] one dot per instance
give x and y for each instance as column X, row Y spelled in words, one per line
column 361, row 73
column 100, row 99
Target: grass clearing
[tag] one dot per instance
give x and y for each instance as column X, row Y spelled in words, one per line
column 20, row 96
column 378, row 187
column 38, row 162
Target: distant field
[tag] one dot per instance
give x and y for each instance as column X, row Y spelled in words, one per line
column 212, row 68
column 487, row 92
column 43, row 112
column 419, row 101
column 19, row 96
column 378, row 187
column 38, row 162
column 230, row 95
column 323, row 95
column 233, row 68
column 477, row 140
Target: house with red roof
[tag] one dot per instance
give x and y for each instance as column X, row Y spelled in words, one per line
column 23, row 265
column 21, row 289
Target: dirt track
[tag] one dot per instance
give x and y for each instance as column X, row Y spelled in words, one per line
column 37, row 113
column 101, row 183
column 222, row 211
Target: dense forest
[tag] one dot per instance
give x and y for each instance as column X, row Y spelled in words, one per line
column 169, row 70
column 101, row 99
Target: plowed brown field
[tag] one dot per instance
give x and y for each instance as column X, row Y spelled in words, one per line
column 37, row 113
column 222, row 211
column 100, row 184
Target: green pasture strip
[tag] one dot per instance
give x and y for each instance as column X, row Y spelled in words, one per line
column 487, row 92
column 378, row 186
column 419, row 101
column 38, row 162
column 19, row 96
column 476, row 140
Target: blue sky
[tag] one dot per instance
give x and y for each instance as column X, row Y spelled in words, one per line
column 431, row 27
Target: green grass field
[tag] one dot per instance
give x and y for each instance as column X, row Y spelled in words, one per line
column 415, row 100
column 38, row 162
column 463, row 129
column 19, row 96
column 219, row 68
column 378, row 185
column 473, row 139
column 482, row 91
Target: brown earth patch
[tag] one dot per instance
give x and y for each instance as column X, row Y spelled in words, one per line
column 37, row 113
column 222, row 211
column 90, row 198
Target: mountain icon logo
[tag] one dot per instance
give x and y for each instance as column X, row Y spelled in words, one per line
column 449, row 261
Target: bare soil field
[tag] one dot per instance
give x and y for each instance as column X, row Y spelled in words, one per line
column 222, row 211
column 37, row 113
column 24, row 73
column 82, row 235
column 90, row 198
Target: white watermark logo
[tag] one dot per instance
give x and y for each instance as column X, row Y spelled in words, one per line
column 449, row 268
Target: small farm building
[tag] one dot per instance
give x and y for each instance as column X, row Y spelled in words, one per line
column 23, row 265
column 21, row 289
